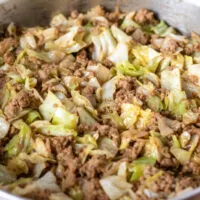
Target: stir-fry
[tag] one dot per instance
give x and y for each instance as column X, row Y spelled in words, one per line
column 98, row 106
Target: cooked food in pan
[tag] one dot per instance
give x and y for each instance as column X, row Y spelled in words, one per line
column 97, row 106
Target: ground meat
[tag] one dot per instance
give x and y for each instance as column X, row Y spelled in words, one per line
column 107, row 63
column 89, row 93
column 168, row 162
column 6, row 44
column 191, row 168
column 102, row 130
column 189, row 49
column 196, row 38
column 139, row 36
column 24, row 99
column 109, row 131
column 57, row 144
column 80, row 63
column 131, row 153
column 46, row 72
column 81, row 59
column 54, row 85
column 144, row 16
column 3, row 78
column 169, row 47
column 9, row 58
column 93, row 191
column 113, row 16
column 156, row 42
column 186, row 182
column 125, row 92
column 163, row 184
column 67, row 159
column 130, row 30
column 93, row 167
column 39, row 194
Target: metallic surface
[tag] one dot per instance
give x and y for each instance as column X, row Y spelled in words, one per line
column 182, row 14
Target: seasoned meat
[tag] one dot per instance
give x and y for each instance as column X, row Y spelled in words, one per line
column 93, row 191
column 144, row 16
column 93, row 167
column 6, row 44
column 139, row 36
column 24, row 99
column 70, row 163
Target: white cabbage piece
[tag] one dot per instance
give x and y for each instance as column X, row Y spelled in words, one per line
column 122, row 170
column 109, row 88
column 147, row 57
column 129, row 22
column 6, row 176
column 93, row 82
column 108, row 145
column 120, row 35
column 47, row 182
column 38, row 169
column 101, row 72
column 181, row 155
column 59, row 20
column 4, row 126
column 66, row 40
column 81, row 100
column 130, row 114
column 49, row 106
column 104, row 45
column 120, row 54
column 179, row 38
column 28, row 40
column 115, row 186
column 171, row 79
column 62, row 116
column 194, row 70
column 46, row 128
column 150, row 194
column 50, row 34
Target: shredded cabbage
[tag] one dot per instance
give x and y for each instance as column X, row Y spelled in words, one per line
column 120, row 54
column 104, row 45
column 176, row 102
column 120, row 35
column 80, row 100
column 126, row 68
column 46, row 128
column 171, row 76
column 114, row 186
column 6, row 176
column 109, row 88
column 4, row 126
column 137, row 167
column 162, row 29
column 21, row 141
column 32, row 116
column 130, row 114
column 128, row 21
column 61, row 116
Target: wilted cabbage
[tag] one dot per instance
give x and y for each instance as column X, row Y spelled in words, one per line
column 115, row 186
